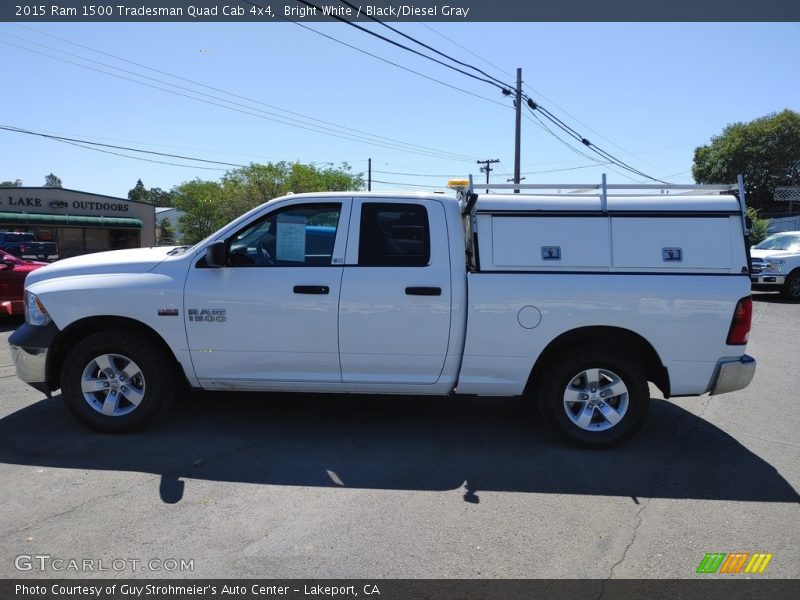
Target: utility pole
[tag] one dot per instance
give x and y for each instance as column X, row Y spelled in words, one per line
column 487, row 169
column 518, row 128
column 369, row 176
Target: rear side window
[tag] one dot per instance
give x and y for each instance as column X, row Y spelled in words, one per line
column 394, row 235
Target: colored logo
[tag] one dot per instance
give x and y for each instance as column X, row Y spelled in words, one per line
column 735, row 562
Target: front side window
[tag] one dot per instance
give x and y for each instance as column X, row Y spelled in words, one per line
column 300, row 235
column 394, row 235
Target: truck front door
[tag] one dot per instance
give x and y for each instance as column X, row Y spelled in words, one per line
column 270, row 315
column 394, row 312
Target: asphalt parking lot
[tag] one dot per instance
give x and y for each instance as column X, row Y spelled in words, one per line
column 341, row 487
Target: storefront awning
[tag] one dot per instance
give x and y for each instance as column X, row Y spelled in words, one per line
column 70, row 220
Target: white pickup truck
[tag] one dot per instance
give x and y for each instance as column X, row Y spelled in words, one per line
column 776, row 264
column 574, row 300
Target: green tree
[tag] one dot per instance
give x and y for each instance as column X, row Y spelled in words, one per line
column 15, row 183
column 201, row 204
column 758, row 226
column 138, row 192
column 159, row 197
column 165, row 231
column 766, row 151
column 207, row 208
column 52, row 181
column 155, row 195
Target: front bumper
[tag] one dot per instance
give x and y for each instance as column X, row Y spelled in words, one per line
column 732, row 375
column 31, row 364
column 767, row 279
column 30, row 350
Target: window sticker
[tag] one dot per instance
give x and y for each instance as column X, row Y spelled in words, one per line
column 291, row 243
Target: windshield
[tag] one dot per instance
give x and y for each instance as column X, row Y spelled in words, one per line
column 781, row 241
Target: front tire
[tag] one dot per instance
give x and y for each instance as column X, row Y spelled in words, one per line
column 596, row 397
column 791, row 287
column 117, row 381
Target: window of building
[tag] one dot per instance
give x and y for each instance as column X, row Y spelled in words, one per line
column 96, row 240
column 394, row 235
column 119, row 239
column 70, row 239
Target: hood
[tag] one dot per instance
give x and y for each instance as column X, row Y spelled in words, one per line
column 136, row 260
column 756, row 253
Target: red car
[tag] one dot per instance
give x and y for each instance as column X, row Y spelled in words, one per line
column 12, row 281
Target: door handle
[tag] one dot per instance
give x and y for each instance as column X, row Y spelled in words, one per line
column 311, row 289
column 423, row 291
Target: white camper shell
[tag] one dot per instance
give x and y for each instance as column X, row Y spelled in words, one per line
column 667, row 234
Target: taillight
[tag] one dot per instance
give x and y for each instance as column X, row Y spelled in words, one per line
column 740, row 325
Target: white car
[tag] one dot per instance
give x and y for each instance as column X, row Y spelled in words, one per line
column 776, row 264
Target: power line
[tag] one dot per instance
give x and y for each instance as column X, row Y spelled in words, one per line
column 575, row 150
column 608, row 155
column 570, row 131
column 409, row 185
column 127, row 148
column 395, row 43
column 539, row 122
column 593, row 147
column 394, row 64
column 93, row 146
column 198, row 83
column 283, row 120
column 452, row 41
column 429, row 175
column 565, row 169
column 504, row 88
column 431, row 48
column 576, row 119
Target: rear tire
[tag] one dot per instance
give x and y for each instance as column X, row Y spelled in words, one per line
column 791, row 287
column 594, row 397
column 117, row 381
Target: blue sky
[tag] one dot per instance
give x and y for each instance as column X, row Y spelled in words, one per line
column 647, row 93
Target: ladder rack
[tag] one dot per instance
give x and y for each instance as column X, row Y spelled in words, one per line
column 581, row 189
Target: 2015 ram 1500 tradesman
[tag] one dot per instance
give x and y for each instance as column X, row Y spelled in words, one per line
column 574, row 300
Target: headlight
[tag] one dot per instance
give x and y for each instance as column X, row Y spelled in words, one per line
column 775, row 265
column 35, row 312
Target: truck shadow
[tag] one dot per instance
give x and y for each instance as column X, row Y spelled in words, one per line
column 772, row 298
column 472, row 444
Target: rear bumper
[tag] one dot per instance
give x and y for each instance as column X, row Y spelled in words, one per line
column 733, row 375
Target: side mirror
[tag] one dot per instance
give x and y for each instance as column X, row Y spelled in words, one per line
column 216, row 255
column 7, row 264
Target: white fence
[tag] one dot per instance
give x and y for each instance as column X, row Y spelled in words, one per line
column 784, row 224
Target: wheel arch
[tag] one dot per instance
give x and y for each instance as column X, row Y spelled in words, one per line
column 79, row 329
column 657, row 373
